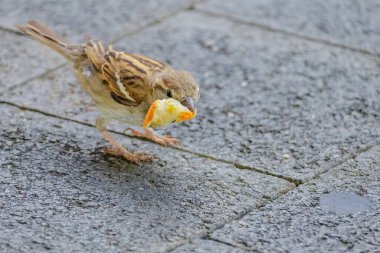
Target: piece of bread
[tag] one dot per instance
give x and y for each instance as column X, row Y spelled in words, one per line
column 163, row 112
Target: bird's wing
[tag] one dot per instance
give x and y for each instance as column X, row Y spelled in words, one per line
column 125, row 74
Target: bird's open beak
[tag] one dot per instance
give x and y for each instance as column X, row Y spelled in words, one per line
column 189, row 103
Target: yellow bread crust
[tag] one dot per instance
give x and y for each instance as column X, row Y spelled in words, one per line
column 166, row 111
column 150, row 114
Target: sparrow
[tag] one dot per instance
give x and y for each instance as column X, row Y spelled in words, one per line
column 123, row 85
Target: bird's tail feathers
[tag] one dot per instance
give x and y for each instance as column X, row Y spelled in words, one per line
column 46, row 36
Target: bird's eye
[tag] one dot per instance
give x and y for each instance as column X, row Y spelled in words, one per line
column 169, row 93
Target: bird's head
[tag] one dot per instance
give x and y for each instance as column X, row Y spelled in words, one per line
column 179, row 85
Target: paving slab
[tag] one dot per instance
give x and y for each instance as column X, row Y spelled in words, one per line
column 268, row 100
column 58, row 194
column 58, row 93
column 22, row 59
column 337, row 212
column 105, row 20
column 207, row 246
column 348, row 22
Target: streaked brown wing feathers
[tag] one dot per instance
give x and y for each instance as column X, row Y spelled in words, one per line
column 123, row 75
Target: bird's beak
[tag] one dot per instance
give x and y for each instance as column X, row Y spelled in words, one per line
column 189, row 103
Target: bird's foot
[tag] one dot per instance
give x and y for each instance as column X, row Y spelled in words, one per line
column 164, row 140
column 136, row 157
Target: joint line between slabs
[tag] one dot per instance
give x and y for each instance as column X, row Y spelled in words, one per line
column 240, row 216
column 296, row 182
column 237, row 165
column 227, row 243
column 157, row 21
column 206, row 239
column 25, row 82
column 130, row 33
column 289, row 33
column 354, row 155
column 207, row 236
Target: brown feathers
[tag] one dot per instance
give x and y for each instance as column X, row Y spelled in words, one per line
column 124, row 73
column 112, row 76
column 46, row 36
column 123, row 85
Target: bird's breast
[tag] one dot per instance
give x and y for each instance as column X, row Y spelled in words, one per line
column 128, row 115
column 108, row 107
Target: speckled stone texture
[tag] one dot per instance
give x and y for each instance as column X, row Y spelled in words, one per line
column 344, row 22
column 58, row 193
column 106, row 20
column 271, row 101
column 207, row 246
column 22, row 59
column 298, row 222
column 283, row 156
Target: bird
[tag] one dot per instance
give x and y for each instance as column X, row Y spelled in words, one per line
column 123, row 85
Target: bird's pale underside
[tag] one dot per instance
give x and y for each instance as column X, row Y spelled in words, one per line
column 123, row 85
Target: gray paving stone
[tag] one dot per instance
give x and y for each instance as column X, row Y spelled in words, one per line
column 348, row 22
column 58, row 93
column 21, row 59
column 207, row 246
column 337, row 212
column 105, row 20
column 268, row 100
column 59, row 195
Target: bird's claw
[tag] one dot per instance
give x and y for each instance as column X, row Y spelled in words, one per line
column 137, row 157
column 164, row 140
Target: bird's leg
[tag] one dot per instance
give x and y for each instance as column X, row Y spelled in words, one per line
column 149, row 133
column 117, row 149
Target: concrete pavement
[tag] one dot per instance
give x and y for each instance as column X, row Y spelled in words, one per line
column 283, row 156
